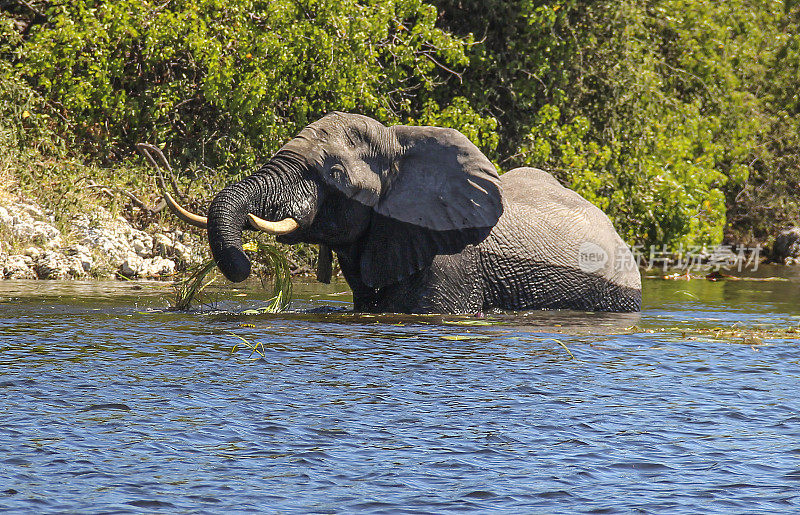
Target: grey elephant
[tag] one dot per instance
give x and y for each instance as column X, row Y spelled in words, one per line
column 421, row 223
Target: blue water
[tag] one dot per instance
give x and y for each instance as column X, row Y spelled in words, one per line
column 110, row 405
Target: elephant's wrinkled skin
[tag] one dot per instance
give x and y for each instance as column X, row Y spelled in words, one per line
column 421, row 222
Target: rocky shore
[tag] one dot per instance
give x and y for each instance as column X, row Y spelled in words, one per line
column 95, row 244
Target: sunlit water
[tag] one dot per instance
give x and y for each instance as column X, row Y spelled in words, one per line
column 110, row 405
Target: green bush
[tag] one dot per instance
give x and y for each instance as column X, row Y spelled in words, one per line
column 226, row 83
column 679, row 119
column 665, row 113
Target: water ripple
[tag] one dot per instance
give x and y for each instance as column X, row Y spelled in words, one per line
column 111, row 407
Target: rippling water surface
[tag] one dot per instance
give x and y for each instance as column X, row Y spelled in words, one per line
column 109, row 404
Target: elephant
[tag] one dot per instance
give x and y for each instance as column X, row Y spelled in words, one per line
column 421, row 222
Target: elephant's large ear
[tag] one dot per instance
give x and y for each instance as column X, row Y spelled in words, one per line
column 440, row 181
column 433, row 191
column 442, row 195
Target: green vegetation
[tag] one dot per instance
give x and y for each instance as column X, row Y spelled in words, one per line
column 678, row 118
column 268, row 258
column 282, row 278
column 255, row 348
column 192, row 285
column 667, row 114
column 225, row 83
column 38, row 153
column 731, row 334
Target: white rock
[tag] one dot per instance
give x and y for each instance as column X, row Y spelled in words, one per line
column 54, row 265
column 82, row 254
column 47, row 266
column 33, row 210
column 140, row 248
column 105, row 242
column 32, row 252
column 162, row 245
column 18, row 267
column 76, row 249
column 160, row 267
column 132, row 265
column 86, row 261
column 22, row 229
column 19, row 218
column 5, row 218
column 75, row 266
column 183, row 253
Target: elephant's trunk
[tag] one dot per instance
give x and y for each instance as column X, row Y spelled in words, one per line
column 227, row 217
column 278, row 192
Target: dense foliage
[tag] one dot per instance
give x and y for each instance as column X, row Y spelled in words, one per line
column 655, row 110
column 223, row 82
column 673, row 116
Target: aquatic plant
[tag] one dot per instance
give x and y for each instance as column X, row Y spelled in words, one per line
column 731, row 334
column 282, row 277
column 192, row 285
column 257, row 348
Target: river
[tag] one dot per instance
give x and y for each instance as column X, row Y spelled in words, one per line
column 111, row 404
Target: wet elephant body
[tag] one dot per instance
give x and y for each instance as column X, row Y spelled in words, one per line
column 421, row 222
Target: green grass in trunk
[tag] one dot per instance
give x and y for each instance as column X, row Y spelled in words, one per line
column 197, row 280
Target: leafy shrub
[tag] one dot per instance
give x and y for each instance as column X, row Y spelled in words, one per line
column 226, row 83
column 680, row 119
column 659, row 112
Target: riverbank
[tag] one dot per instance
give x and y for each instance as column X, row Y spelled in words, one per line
column 64, row 218
column 97, row 241
column 94, row 244
column 99, row 244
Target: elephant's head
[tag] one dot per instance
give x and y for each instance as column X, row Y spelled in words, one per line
column 398, row 195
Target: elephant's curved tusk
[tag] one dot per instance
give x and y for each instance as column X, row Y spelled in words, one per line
column 187, row 216
column 285, row 226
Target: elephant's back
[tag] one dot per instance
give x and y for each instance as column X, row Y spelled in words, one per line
column 555, row 249
column 541, row 193
column 551, row 220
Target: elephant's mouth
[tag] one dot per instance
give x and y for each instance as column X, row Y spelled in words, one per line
column 230, row 258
